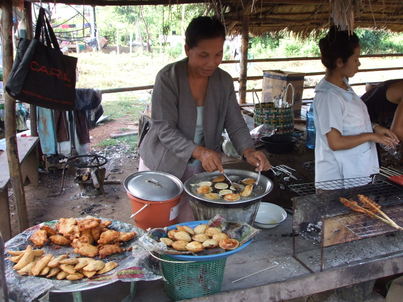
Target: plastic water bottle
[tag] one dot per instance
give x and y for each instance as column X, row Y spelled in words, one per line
column 310, row 129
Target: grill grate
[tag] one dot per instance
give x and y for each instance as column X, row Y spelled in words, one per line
column 378, row 187
column 374, row 227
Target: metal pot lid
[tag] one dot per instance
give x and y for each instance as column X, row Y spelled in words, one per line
column 263, row 188
column 153, row 186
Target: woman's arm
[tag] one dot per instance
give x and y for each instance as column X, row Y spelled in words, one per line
column 397, row 124
column 337, row 141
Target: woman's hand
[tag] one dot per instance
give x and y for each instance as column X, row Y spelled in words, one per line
column 378, row 129
column 210, row 160
column 257, row 159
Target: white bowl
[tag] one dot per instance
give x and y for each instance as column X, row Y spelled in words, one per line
column 269, row 215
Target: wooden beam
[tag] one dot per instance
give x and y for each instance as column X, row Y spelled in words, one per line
column 28, row 26
column 10, row 123
column 244, row 58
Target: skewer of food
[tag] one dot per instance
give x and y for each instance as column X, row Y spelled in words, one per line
column 370, row 208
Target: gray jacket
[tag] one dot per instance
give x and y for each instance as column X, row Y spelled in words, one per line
column 168, row 145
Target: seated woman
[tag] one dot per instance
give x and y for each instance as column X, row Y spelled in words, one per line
column 192, row 103
column 385, row 105
column 345, row 140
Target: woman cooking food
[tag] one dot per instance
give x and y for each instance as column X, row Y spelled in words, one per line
column 385, row 105
column 193, row 101
column 345, row 140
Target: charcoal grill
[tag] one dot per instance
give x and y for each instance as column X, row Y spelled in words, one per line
column 324, row 222
column 89, row 174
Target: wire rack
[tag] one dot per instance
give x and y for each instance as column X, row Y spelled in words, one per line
column 374, row 227
column 376, row 186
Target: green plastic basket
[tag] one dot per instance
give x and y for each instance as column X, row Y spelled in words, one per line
column 191, row 280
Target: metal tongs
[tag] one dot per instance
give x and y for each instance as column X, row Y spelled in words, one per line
column 233, row 184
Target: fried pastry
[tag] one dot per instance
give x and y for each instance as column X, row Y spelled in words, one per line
column 109, row 249
column 232, row 197
column 39, row 238
column 210, row 243
column 180, row 245
column 228, row 244
column 59, row 240
column 212, row 196
column 248, row 181
column 200, row 229
column 171, row 234
column 220, row 236
column 123, row 236
column 88, row 223
column 247, row 191
column 166, row 241
column 181, row 235
column 108, row 236
column 48, row 230
column 186, row 229
column 85, row 249
column 210, row 231
column 108, row 267
column 67, row 226
column 219, row 178
column 203, row 189
column 94, row 265
column 194, row 247
column 200, row 237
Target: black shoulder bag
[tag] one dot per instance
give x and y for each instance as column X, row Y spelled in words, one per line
column 41, row 74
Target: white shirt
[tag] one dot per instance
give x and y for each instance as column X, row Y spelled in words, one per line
column 343, row 110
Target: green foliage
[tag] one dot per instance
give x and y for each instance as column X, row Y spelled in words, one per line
column 123, row 106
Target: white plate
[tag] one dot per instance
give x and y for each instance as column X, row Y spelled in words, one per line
column 269, row 215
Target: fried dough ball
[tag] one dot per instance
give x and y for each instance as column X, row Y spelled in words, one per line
column 210, row 231
column 200, row 229
column 39, row 238
column 210, row 243
column 220, row 236
column 60, row 240
column 232, row 197
column 194, row 247
column 228, row 244
column 180, row 245
column 166, row 241
column 186, row 229
column 204, row 189
column 200, row 237
column 67, row 227
column 181, row 235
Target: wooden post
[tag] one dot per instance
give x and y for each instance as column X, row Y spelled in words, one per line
column 244, row 58
column 28, row 25
column 9, row 122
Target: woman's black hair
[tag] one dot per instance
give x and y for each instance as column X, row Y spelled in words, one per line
column 203, row 27
column 337, row 44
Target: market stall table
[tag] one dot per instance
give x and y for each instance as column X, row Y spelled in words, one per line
column 286, row 278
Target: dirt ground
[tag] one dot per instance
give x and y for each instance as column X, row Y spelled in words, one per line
column 44, row 202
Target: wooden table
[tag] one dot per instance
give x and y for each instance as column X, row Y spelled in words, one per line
column 28, row 155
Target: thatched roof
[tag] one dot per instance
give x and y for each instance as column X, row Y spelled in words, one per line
column 300, row 16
